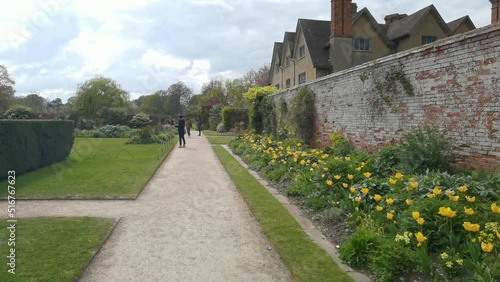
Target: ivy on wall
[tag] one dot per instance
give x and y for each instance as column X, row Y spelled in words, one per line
column 301, row 114
column 385, row 88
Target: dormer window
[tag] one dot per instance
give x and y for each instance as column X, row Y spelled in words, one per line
column 361, row 44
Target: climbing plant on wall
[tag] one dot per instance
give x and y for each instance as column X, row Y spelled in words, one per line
column 301, row 113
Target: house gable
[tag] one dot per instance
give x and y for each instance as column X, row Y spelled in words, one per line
column 275, row 72
column 286, row 56
column 461, row 25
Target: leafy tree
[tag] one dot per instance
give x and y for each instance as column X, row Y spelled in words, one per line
column 155, row 104
column 55, row 106
column 257, row 78
column 97, row 93
column 6, row 89
column 19, row 112
column 179, row 95
column 215, row 88
column 255, row 97
column 235, row 90
column 33, row 100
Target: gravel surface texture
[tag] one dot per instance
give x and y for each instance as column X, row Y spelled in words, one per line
column 188, row 224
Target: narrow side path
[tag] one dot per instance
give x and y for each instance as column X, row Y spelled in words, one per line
column 188, row 224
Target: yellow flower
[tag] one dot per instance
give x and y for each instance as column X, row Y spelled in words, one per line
column 431, row 196
column 358, row 168
column 353, row 190
column 462, row 189
column 365, row 191
column 415, row 215
column 367, row 174
column 450, row 192
column 498, row 234
column 329, row 182
column 495, row 208
column 448, row 212
column 350, row 176
column 460, row 261
column 299, row 144
column 379, row 208
column 389, row 201
column 436, row 191
column 409, row 202
column 377, row 198
column 325, row 169
column 444, row 255
column 414, row 185
column 337, row 177
column 420, row 221
column 314, row 165
column 392, row 181
column 420, row 237
column 468, row 211
column 302, row 162
column 347, row 159
column 470, row 199
column 345, row 185
column 471, row 227
column 390, row 216
column 304, row 154
column 357, row 199
column 454, row 198
column 487, row 247
column 399, row 175
column 449, row 264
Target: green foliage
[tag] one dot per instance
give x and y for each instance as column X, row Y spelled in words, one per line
column 426, row 149
column 151, row 135
column 301, row 114
column 390, row 260
column 114, row 116
column 340, row 145
column 19, row 112
column 6, row 89
column 232, row 116
column 360, row 246
column 221, row 128
column 28, row 145
column 140, row 120
column 269, row 120
column 256, row 92
column 388, row 160
column 113, row 131
column 215, row 116
column 98, row 93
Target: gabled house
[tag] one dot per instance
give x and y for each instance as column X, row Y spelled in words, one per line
column 353, row 37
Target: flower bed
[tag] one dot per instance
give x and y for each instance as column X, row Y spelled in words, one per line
column 438, row 224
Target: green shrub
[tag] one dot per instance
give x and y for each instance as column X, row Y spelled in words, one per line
column 390, row 260
column 232, row 116
column 387, row 160
column 426, row 149
column 140, row 120
column 28, row 145
column 19, row 112
column 113, row 115
column 359, row 247
column 301, row 114
column 113, row 131
column 341, row 147
column 151, row 135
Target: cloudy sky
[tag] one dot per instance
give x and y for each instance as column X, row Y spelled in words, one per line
column 50, row 46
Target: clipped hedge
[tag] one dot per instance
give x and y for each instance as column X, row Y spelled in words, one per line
column 26, row 145
column 231, row 116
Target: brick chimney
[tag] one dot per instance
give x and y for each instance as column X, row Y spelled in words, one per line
column 495, row 11
column 394, row 17
column 341, row 34
column 341, row 24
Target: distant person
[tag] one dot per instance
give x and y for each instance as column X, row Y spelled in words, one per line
column 198, row 125
column 188, row 126
column 180, row 129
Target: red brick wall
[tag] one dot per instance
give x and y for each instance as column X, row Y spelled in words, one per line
column 456, row 84
column 341, row 22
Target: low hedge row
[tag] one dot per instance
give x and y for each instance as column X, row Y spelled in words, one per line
column 26, row 145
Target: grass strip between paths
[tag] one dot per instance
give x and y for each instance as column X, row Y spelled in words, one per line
column 52, row 249
column 305, row 260
column 223, row 140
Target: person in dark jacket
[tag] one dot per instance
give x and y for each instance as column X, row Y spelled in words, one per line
column 180, row 129
column 198, row 124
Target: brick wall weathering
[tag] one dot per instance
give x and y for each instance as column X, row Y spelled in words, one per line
column 452, row 83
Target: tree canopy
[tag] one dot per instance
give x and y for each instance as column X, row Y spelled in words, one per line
column 6, row 89
column 97, row 93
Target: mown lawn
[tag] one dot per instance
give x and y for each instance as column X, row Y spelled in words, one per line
column 305, row 260
column 52, row 249
column 220, row 140
column 97, row 168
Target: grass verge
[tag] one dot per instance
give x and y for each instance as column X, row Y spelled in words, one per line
column 222, row 140
column 305, row 260
column 52, row 249
column 215, row 133
column 97, row 168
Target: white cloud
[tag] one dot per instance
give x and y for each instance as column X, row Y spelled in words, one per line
column 159, row 60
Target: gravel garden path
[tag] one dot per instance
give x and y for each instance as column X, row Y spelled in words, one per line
column 188, row 224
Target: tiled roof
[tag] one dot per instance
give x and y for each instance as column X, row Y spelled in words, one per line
column 317, row 36
column 453, row 25
column 290, row 40
column 405, row 26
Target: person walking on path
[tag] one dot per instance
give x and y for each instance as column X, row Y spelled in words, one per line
column 198, row 124
column 180, row 129
column 188, row 126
